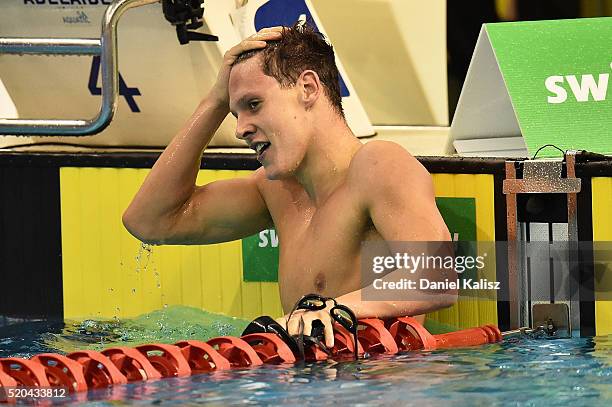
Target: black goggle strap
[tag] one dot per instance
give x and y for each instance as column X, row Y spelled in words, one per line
column 341, row 319
column 321, row 299
column 304, row 304
column 300, row 341
column 352, row 328
column 288, row 339
column 318, row 343
column 356, row 341
column 267, row 324
column 314, row 302
column 304, row 340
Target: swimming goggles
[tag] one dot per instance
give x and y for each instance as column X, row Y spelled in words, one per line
column 342, row 314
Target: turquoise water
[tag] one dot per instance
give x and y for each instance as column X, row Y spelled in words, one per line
column 525, row 372
column 168, row 325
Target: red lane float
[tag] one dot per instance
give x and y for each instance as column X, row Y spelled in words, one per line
column 270, row 348
column 131, row 363
column 410, row 335
column 26, row 373
column 83, row 370
column 343, row 343
column 236, row 351
column 202, row 357
column 167, row 359
column 375, row 338
column 6, row 381
column 468, row 337
column 62, row 371
column 313, row 353
column 98, row 370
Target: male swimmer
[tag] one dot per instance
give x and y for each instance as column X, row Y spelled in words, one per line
column 323, row 190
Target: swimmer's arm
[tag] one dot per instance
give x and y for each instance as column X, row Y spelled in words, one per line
column 221, row 211
column 170, row 209
column 397, row 194
column 391, row 309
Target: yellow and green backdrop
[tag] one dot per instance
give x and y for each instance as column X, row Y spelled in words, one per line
column 65, row 253
column 108, row 273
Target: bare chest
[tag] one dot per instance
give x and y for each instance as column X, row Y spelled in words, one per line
column 320, row 247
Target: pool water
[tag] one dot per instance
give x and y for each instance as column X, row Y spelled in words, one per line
column 168, row 325
column 523, row 372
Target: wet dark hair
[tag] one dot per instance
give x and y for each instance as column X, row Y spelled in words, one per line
column 300, row 48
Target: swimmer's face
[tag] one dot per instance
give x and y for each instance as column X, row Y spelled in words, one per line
column 271, row 119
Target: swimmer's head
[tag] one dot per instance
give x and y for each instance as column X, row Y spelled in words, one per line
column 300, row 48
column 284, row 97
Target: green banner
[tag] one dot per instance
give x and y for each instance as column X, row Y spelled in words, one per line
column 459, row 214
column 260, row 251
column 260, row 257
column 557, row 74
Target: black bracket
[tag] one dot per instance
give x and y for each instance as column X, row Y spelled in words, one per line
column 186, row 15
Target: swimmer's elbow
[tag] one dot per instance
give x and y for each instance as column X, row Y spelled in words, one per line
column 140, row 229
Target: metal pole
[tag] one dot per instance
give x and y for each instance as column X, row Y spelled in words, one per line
column 106, row 47
column 573, row 245
column 512, row 230
column 50, row 46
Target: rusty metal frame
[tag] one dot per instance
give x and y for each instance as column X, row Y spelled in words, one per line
column 512, row 186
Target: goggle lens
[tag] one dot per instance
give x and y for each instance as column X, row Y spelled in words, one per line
column 312, row 304
column 343, row 318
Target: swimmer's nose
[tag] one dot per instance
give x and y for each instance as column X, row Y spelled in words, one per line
column 245, row 135
column 244, row 131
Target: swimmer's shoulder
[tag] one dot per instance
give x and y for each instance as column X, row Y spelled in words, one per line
column 259, row 176
column 272, row 190
column 264, row 185
column 380, row 163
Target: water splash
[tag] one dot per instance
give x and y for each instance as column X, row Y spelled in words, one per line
column 146, row 250
column 168, row 325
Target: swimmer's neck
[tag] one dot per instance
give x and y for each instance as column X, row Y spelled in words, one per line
column 327, row 160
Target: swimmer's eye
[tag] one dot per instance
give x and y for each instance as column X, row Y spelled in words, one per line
column 253, row 105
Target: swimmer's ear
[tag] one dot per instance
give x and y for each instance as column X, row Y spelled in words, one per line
column 309, row 88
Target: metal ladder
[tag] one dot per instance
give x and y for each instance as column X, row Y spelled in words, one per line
column 105, row 47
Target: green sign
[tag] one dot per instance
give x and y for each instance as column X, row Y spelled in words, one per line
column 459, row 214
column 260, row 251
column 538, row 82
column 260, row 257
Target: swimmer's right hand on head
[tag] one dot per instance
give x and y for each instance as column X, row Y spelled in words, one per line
column 219, row 91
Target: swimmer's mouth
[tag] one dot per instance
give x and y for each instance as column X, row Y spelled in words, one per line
column 260, row 147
